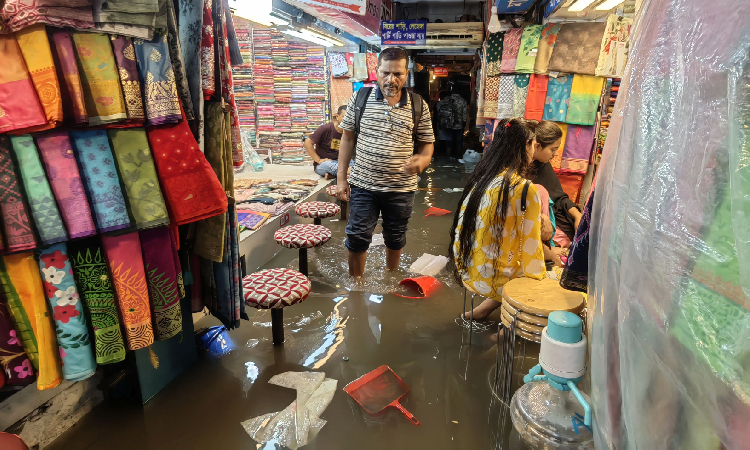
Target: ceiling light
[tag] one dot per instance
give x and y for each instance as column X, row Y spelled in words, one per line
column 260, row 12
column 580, row 5
column 494, row 25
column 608, row 4
column 311, row 37
column 324, row 36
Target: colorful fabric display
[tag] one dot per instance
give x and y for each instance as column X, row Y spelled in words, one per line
column 251, row 220
column 25, row 284
column 15, row 210
column 161, row 275
column 131, row 87
column 19, row 14
column 585, row 94
column 175, row 56
column 528, row 49
column 208, row 53
column 14, row 363
column 98, row 291
column 536, row 97
column 613, row 55
column 159, row 88
column 520, row 91
column 190, row 26
column 372, row 67
column 571, row 184
column 62, row 170
column 339, row 67
column 492, row 87
column 579, row 144
column 101, row 83
column 546, row 46
column 511, row 45
column 494, row 54
column 34, row 45
column 19, row 103
column 126, row 265
column 190, row 185
column 21, row 322
column 505, row 96
column 136, row 167
column 577, row 48
column 67, row 310
column 556, row 162
column 100, row 179
column 71, row 88
column 558, row 97
column 44, row 211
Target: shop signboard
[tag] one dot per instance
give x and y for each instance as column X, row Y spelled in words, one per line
column 358, row 7
column 363, row 26
column 513, row 6
column 440, row 71
column 403, row 32
column 551, row 7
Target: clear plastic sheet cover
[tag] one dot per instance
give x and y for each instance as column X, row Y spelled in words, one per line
column 670, row 237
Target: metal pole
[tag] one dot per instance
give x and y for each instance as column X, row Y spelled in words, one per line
column 303, row 261
column 277, row 326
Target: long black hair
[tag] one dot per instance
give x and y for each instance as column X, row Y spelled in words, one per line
column 506, row 153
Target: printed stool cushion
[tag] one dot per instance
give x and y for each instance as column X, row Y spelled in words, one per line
column 302, row 236
column 331, row 190
column 317, row 210
column 275, row 288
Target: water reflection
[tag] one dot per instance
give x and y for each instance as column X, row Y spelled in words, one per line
column 333, row 338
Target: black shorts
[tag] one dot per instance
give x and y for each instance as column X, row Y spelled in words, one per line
column 364, row 209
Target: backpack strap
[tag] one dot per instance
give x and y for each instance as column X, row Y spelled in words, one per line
column 359, row 106
column 416, row 115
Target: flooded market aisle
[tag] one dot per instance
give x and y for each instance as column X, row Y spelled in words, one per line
column 345, row 330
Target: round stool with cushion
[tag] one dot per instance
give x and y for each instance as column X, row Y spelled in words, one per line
column 302, row 236
column 331, row 190
column 317, row 210
column 275, row 289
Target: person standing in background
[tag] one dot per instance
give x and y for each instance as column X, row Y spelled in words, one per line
column 452, row 113
column 323, row 146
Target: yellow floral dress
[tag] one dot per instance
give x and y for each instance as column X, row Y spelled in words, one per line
column 494, row 261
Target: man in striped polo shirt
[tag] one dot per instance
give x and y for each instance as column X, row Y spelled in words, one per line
column 384, row 177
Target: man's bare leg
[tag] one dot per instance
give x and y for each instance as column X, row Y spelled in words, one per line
column 392, row 259
column 357, row 263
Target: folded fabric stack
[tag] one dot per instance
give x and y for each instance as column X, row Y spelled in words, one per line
column 292, row 149
column 137, row 19
column 18, row 14
column 243, row 81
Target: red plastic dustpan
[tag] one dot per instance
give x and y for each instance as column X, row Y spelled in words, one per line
column 378, row 390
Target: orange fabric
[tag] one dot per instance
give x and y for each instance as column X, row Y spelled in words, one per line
column 536, row 96
column 37, row 54
column 19, row 105
column 557, row 160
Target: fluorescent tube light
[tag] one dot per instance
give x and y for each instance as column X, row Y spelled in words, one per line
column 580, row 5
column 608, row 4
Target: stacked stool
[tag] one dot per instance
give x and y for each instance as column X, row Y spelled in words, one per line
column 317, row 210
column 302, row 237
column 275, row 289
column 331, row 190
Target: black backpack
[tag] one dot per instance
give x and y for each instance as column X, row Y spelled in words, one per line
column 361, row 102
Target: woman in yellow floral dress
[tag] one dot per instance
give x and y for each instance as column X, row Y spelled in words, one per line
column 503, row 241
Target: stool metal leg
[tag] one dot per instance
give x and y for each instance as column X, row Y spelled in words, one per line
column 303, row 261
column 471, row 319
column 317, row 221
column 277, row 326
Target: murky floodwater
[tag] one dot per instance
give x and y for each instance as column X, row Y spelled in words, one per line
column 344, row 329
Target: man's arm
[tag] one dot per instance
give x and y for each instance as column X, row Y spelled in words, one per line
column 310, row 147
column 419, row 162
column 346, row 153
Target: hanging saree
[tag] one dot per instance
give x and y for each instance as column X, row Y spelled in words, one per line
column 161, row 275
column 339, row 67
column 360, row 67
column 520, row 91
column 192, row 190
column 126, row 265
column 178, row 66
column 579, row 143
column 529, row 48
column 101, row 83
column 556, row 162
column 613, row 55
column 19, row 14
column 23, row 275
column 19, row 103
column 546, row 46
column 585, row 94
column 21, row 324
column 505, row 96
column 536, row 97
column 511, row 45
column 190, row 25
column 491, row 89
column 494, row 54
column 208, row 64
column 136, row 167
column 577, row 48
column 62, row 169
column 100, row 179
column 372, row 67
column 15, row 211
column 14, row 363
column 70, row 322
column 159, row 88
column 34, row 45
column 96, row 287
column 558, row 97
column 341, row 92
column 575, row 276
column 124, row 52
column 227, row 84
column 71, row 89
column 226, row 276
column 44, row 211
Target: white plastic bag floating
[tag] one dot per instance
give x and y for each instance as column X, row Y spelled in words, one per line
column 429, row 265
column 299, row 423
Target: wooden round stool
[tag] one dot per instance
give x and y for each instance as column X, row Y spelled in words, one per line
column 331, row 190
column 302, row 237
column 317, row 210
column 275, row 289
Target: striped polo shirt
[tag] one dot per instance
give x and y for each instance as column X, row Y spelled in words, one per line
column 385, row 142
